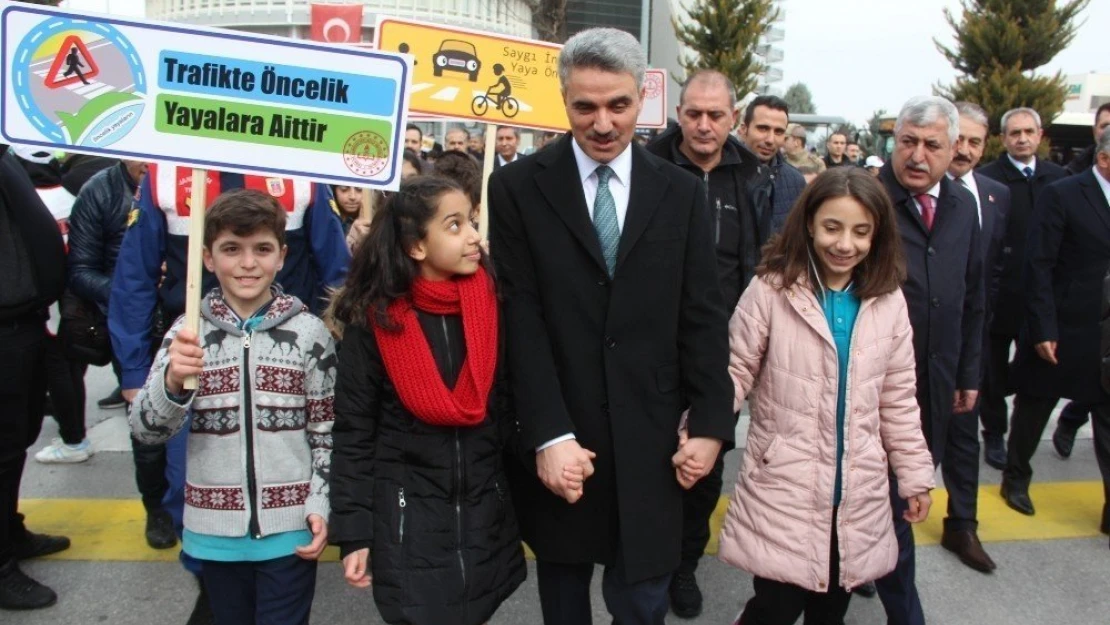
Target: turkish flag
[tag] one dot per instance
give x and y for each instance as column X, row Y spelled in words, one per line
column 336, row 23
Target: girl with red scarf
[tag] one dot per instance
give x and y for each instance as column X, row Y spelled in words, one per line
column 420, row 504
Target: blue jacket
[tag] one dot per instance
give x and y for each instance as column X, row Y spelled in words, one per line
column 158, row 232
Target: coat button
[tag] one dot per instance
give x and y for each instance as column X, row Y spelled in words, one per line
column 605, row 407
column 610, row 342
column 602, row 281
column 936, row 302
column 932, row 251
column 933, row 355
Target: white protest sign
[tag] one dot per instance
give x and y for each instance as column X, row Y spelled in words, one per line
column 205, row 97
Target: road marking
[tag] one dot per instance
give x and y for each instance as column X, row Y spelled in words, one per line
column 447, row 94
column 419, row 87
column 112, row 529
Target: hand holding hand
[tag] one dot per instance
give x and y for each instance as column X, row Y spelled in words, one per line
column 919, row 508
column 694, row 459
column 186, row 359
column 356, row 568
column 319, row 528
column 564, row 467
column 964, row 401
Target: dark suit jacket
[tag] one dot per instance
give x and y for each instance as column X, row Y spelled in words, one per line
column 944, row 290
column 1067, row 257
column 1010, row 308
column 614, row 361
column 994, row 198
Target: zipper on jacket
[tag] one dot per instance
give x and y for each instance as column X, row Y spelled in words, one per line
column 717, row 232
column 246, row 420
column 401, row 525
column 459, row 486
column 447, row 341
column 458, row 466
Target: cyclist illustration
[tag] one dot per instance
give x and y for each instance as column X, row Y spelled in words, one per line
column 501, row 89
column 73, row 64
column 499, row 94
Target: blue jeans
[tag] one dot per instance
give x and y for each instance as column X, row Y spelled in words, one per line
column 273, row 592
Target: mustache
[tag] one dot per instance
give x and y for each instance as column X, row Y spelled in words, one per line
column 960, row 158
column 608, row 136
column 917, row 166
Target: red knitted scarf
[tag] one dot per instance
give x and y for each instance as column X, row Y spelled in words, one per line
column 408, row 357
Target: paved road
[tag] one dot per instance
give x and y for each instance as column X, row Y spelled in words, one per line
column 1053, row 568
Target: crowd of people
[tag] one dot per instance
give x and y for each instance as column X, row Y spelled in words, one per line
column 426, row 400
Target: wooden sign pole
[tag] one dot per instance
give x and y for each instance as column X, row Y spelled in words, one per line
column 194, row 274
column 367, row 210
column 487, row 169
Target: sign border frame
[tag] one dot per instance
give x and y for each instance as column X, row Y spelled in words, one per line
column 398, row 139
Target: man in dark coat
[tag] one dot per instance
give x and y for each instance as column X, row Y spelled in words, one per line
column 702, row 144
column 961, row 456
column 613, row 326
column 1026, row 176
column 944, row 291
column 1074, row 415
column 1086, row 159
column 32, row 274
column 1058, row 352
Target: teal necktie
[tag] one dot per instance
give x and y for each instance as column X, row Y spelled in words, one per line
column 605, row 219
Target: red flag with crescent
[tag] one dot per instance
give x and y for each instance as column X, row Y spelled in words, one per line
column 336, row 23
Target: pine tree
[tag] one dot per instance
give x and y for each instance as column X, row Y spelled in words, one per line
column 998, row 45
column 799, row 99
column 723, row 35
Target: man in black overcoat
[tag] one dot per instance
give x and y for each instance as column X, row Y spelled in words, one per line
column 944, row 287
column 1026, row 176
column 614, row 324
column 1058, row 352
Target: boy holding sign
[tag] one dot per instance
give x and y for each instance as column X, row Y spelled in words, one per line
column 260, row 437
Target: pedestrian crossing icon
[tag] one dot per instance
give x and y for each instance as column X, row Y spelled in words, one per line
column 72, row 65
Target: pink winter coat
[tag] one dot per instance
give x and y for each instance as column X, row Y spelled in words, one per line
column 779, row 522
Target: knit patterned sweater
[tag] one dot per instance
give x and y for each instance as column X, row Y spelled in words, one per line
column 261, row 470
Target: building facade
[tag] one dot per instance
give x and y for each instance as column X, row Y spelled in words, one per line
column 290, row 18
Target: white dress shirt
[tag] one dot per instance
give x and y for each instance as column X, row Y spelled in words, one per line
column 969, row 180
column 619, row 184
column 501, row 162
column 1021, row 166
column 619, row 188
column 935, row 192
column 1102, row 182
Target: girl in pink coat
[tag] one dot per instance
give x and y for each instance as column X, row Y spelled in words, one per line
column 822, row 349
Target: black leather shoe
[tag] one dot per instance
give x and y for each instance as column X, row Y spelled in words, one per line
column 867, row 590
column 686, row 599
column 202, row 611
column 159, row 530
column 1063, row 440
column 1018, row 499
column 966, row 545
column 994, row 451
column 19, row 592
column 38, row 545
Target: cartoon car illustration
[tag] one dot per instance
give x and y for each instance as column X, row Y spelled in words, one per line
column 457, row 56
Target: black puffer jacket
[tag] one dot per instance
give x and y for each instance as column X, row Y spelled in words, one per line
column 430, row 502
column 96, row 228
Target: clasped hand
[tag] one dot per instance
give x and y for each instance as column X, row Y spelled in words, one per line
column 564, row 467
column 694, row 458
